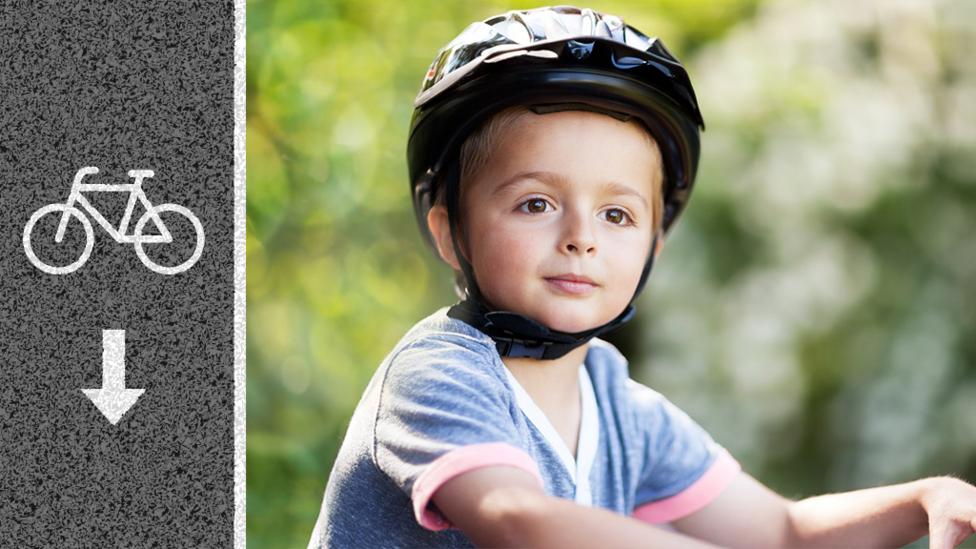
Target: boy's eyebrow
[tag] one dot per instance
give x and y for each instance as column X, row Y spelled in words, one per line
column 545, row 177
column 617, row 188
column 555, row 179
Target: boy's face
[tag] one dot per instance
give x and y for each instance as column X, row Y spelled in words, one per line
column 558, row 224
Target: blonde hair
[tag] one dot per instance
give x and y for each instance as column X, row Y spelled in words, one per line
column 482, row 143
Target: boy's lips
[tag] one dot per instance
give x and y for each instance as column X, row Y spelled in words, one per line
column 572, row 283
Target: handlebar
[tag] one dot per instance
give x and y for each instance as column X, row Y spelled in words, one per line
column 87, row 170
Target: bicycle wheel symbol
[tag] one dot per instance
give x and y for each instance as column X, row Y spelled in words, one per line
column 66, row 210
column 141, row 241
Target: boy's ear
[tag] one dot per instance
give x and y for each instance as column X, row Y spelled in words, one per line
column 658, row 247
column 440, row 228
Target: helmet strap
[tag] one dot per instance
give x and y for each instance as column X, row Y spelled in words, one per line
column 518, row 336
column 452, row 182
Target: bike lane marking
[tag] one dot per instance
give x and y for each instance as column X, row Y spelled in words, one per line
column 136, row 192
column 113, row 399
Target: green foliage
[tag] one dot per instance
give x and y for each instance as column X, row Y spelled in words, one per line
column 774, row 316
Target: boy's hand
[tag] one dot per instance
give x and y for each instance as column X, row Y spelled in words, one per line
column 951, row 507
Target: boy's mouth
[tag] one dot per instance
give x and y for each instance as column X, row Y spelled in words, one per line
column 572, row 283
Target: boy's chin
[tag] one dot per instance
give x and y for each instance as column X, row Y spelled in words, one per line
column 572, row 324
column 567, row 318
column 574, row 328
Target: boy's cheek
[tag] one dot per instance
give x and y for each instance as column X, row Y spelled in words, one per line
column 628, row 263
column 500, row 243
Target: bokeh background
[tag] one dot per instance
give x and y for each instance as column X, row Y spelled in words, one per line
column 814, row 309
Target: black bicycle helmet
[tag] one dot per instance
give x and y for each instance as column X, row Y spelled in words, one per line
column 553, row 58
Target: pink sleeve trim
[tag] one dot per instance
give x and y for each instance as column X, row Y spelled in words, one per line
column 694, row 497
column 462, row 460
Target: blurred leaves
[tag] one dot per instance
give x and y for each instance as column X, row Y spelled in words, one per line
column 813, row 309
column 823, row 278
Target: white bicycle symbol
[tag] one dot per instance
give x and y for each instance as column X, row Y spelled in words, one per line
column 136, row 238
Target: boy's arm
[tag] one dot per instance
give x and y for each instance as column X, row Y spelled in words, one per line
column 500, row 506
column 747, row 514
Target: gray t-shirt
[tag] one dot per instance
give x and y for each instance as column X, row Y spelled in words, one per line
column 443, row 403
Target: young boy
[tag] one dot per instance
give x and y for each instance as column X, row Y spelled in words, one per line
column 550, row 151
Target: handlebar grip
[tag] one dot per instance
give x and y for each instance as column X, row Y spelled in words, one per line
column 87, row 170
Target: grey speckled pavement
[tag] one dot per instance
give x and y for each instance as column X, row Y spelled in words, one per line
column 119, row 86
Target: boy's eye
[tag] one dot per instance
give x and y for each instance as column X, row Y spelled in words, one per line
column 616, row 216
column 535, row 205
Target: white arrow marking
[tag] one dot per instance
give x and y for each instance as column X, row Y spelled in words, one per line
column 113, row 399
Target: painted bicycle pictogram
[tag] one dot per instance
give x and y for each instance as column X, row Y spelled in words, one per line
column 137, row 238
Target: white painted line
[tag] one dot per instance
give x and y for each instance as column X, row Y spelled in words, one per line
column 240, row 275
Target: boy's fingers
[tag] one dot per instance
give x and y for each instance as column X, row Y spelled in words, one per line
column 952, row 534
column 965, row 531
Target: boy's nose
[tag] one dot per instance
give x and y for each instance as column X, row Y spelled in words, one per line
column 578, row 237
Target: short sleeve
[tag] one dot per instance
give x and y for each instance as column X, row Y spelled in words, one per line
column 684, row 468
column 444, row 409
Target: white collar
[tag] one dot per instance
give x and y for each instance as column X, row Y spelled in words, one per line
column 589, row 432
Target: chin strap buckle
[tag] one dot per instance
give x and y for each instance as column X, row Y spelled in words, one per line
column 517, row 348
